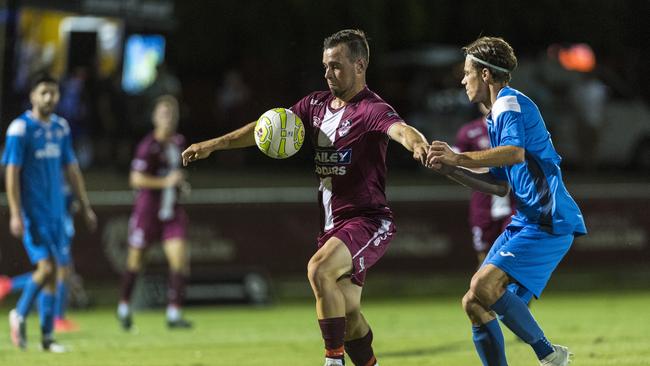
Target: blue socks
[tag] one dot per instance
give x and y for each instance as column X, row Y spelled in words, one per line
column 515, row 315
column 28, row 297
column 19, row 282
column 489, row 343
column 61, row 299
column 46, row 312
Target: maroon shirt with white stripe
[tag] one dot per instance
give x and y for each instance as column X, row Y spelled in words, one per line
column 157, row 159
column 350, row 153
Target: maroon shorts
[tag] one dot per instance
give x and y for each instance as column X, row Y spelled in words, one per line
column 485, row 235
column 367, row 240
column 147, row 228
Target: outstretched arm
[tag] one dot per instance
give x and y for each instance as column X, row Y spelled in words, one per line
column 440, row 152
column 242, row 137
column 411, row 139
column 484, row 181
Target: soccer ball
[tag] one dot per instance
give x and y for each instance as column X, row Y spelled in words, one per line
column 279, row 133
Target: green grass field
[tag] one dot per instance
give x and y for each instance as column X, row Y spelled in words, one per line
column 601, row 329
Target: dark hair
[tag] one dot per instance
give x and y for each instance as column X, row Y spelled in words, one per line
column 356, row 41
column 41, row 77
column 495, row 51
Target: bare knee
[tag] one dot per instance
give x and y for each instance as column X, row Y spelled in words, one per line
column 134, row 260
column 63, row 273
column 486, row 290
column 44, row 270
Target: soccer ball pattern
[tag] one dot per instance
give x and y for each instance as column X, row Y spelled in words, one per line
column 279, row 133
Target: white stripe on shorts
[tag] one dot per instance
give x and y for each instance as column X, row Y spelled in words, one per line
column 381, row 234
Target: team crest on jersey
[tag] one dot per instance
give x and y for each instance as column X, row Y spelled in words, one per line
column 316, row 121
column 345, row 127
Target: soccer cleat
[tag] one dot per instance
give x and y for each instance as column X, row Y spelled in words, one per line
column 48, row 344
column 334, row 362
column 560, row 357
column 65, row 326
column 5, row 287
column 17, row 330
column 179, row 323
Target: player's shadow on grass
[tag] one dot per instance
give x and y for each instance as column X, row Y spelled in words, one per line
column 416, row 352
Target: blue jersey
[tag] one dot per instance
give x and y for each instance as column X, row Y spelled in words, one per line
column 41, row 150
column 540, row 194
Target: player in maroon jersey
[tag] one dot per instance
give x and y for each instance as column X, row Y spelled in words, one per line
column 488, row 214
column 157, row 176
column 350, row 127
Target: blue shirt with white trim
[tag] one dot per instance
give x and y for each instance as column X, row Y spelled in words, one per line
column 537, row 185
column 41, row 150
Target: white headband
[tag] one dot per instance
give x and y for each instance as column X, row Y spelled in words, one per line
column 498, row 68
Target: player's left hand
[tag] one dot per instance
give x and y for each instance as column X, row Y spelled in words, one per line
column 90, row 218
column 441, row 152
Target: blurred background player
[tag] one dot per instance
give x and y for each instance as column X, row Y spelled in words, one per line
column 521, row 157
column 488, row 214
column 157, row 176
column 350, row 127
column 38, row 149
column 65, row 273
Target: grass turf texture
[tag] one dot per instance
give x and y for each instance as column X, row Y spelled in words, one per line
column 601, row 328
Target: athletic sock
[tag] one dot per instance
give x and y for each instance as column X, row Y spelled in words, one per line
column 18, row 282
column 333, row 332
column 61, row 299
column 516, row 316
column 173, row 313
column 176, row 291
column 27, row 298
column 46, row 312
column 123, row 309
column 489, row 343
column 360, row 350
column 128, row 282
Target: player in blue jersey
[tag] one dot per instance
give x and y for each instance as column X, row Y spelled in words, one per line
column 38, row 150
column 521, row 158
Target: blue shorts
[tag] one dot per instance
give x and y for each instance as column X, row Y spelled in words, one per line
column 46, row 240
column 528, row 255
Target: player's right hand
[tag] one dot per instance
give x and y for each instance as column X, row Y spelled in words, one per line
column 16, row 226
column 193, row 153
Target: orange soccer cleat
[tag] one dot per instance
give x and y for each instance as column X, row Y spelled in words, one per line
column 65, row 326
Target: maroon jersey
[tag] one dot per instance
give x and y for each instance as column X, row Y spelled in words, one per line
column 157, row 159
column 350, row 153
column 484, row 208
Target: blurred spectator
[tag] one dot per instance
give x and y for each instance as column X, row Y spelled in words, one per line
column 75, row 107
column 232, row 100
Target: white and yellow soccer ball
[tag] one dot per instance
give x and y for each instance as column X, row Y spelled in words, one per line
column 279, row 133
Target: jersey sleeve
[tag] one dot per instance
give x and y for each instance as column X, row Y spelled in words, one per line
column 142, row 161
column 14, row 152
column 302, row 109
column 67, row 151
column 512, row 129
column 381, row 117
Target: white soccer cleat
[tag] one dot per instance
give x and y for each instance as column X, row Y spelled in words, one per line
column 50, row 345
column 17, row 330
column 560, row 357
